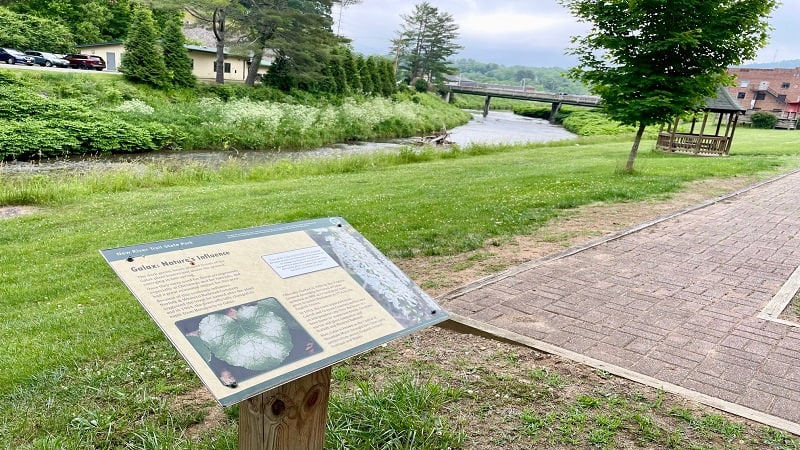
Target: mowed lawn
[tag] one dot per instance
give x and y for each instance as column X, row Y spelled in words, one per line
column 62, row 309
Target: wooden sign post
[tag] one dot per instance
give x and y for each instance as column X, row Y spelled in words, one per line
column 289, row 417
column 261, row 315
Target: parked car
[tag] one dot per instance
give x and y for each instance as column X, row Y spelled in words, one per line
column 47, row 59
column 11, row 56
column 78, row 61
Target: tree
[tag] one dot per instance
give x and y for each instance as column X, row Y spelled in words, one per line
column 425, row 41
column 300, row 30
column 24, row 31
column 388, row 85
column 375, row 75
column 367, row 85
column 143, row 61
column 175, row 55
column 336, row 73
column 214, row 13
column 89, row 21
column 350, row 65
column 653, row 60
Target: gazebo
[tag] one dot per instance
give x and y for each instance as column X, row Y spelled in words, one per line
column 704, row 143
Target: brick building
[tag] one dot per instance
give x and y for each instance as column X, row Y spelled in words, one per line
column 773, row 90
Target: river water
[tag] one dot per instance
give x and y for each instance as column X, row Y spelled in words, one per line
column 498, row 127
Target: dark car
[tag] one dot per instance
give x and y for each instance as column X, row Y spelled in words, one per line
column 11, row 56
column 47, row 59
column 79, row 61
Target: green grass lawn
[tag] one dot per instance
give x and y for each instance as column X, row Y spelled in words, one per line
column 65, row 318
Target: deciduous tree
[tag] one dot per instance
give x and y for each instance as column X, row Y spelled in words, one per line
column 25, row 31
column 652, row 60
column 89, row 21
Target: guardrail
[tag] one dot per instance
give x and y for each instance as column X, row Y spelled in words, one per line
column 524, row 93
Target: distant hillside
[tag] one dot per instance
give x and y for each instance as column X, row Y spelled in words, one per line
column 787, row 64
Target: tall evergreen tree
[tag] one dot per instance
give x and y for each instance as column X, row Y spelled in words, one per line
column 425, row 41
column 300, row 29
column 367, row 86
column 374, row 74
column 143, row 61
column 336, row 72
column 388, row 81
column 177, row 59
column 351, row 70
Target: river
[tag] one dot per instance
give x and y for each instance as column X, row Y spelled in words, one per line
column 498, row 127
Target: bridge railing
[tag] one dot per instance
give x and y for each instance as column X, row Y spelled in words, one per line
column 526, row 91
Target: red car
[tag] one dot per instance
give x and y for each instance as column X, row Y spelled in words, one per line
column 78, row 61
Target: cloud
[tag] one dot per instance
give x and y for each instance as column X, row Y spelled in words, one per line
column 518, row 32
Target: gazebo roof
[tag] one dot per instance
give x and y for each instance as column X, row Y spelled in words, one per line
column 723, row 102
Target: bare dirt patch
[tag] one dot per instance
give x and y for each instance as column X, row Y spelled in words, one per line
column 13, row 211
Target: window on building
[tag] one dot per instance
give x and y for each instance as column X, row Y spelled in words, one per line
column 226, row 68
column 742, row 95
column 744, row 83
column 785, row 85
column 782, row 98
column 760, row 96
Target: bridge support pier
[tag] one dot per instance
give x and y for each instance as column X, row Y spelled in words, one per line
column 555, row 108
column 486, row 105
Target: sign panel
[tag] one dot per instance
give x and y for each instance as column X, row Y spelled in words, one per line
column 255, row 308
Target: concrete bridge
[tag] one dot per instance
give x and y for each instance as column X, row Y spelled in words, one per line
column 523, row 93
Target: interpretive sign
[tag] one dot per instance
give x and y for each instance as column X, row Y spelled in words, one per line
column 252, row 309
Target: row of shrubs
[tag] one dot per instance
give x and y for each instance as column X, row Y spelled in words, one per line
column 588, row 123
column 580, row 121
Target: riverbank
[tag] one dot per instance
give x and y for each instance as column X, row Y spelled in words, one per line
column 47, row 114
column 89, row 368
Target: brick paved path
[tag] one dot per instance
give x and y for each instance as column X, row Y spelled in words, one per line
column 676, row 301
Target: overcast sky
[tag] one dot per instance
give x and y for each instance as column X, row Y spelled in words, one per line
column 532, row 33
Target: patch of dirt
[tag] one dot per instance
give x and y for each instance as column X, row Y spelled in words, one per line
column 13, row 211
column 200, row 399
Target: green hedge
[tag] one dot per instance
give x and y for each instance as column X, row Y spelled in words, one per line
column 763, row 119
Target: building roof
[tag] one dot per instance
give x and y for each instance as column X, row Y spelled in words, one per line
column 99, row 44
column 723, row 102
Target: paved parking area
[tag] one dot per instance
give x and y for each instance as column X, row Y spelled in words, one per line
column 674, row 303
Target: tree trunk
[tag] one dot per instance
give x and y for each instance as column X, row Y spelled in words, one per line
column 218, row 25
column 634, row 149
column 252, row 69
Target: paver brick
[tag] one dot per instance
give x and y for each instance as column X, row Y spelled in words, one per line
column 676, row 300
